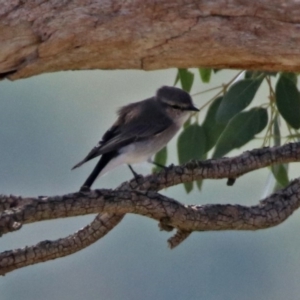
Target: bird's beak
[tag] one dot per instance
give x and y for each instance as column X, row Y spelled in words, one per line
column 192, row 108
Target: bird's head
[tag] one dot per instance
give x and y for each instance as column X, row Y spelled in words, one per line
column 177, row 103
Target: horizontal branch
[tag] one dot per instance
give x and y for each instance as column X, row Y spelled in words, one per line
column 269, row 212
column 30, row 210
column 18, row 210
column 47, row 250
column 227, row 167
column 49, row 36
column 159, row 207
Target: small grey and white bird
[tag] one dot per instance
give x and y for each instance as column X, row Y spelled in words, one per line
column 142, row 129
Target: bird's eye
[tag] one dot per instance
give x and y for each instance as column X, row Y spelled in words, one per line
column 176, row 106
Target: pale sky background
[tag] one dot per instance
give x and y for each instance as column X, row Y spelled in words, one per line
column 49, row 123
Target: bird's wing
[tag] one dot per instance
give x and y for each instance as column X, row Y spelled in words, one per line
column 131, row 126
column 137, row 131
column 96, row 150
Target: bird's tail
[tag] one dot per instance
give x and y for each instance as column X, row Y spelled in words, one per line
column 79, row 164
column 104, row 160
column 93, row 153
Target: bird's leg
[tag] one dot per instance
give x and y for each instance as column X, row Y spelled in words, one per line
column 157, row 164
column 135, row 174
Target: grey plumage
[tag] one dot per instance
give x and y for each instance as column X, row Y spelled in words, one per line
column 141, row 130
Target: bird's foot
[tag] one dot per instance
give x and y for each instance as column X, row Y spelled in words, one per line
column 85, row 189
column 137, row 176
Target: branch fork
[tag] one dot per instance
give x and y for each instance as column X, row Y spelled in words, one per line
column 142, row 197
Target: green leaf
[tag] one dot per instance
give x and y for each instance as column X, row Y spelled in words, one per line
column 281, row 175
column 280, row 171
column 276, row 132
column 212, row 129
column 255, row 74
column 240, row 130
column 199, row 182
column 187, row 123
column 188, row 186
column 205, row 74
column 191, row 145
column 248, row 74
column 252, row 74
column 291, row 76
column 186, row 79
column 176, row 78
column 288, row 101
column 238, row 97
column 160, row 158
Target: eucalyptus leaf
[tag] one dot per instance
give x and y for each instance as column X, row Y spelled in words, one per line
column 288, row 101
column 186, row 79
column 280, row 171
column 199, row 183
column 160, row 158
column 281, row 175
column 276, row 132
column 291, row 76
column 188, row 186
column 253, row 74
column 191, row 145
column 205, row 74
column 212, row 128
column 238, row 97
column 248, row 74
column 187, row 123
column 176, row 78
column 240, row 130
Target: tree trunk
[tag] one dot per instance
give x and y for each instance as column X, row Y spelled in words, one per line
column 47, row 36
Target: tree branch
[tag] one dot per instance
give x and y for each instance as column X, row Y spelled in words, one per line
column 141, row 198
column 269, row 212
column 49, row 36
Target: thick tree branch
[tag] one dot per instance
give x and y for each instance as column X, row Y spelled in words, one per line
column 269, row 212
column 145, row 201
column 31, row 210
column 47, row 36
column 47, row 250
column 159, row 207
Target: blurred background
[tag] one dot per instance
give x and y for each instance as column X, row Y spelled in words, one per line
column 49, row 123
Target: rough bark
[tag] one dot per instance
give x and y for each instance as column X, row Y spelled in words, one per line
column 39, row 36
column 142, row 198
column 47, row 36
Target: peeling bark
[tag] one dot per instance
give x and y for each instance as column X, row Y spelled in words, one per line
column 47, row 36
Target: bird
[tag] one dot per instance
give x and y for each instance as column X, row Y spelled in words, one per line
column 141, row 130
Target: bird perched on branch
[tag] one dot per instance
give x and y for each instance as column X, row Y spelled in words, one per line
column 142, row 129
